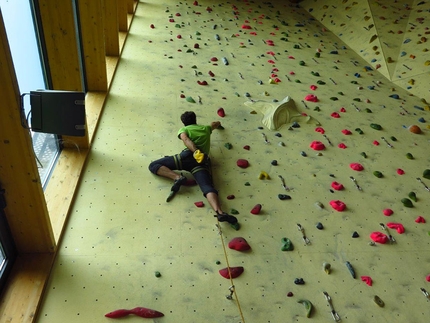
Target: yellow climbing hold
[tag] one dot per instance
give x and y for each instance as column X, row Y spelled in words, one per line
column 263, row 175
column 411, row 81
column 253, row 112
column 427, row 63
column 427, row 108
column 272, row 81
column 266, row 93
column 373, row 38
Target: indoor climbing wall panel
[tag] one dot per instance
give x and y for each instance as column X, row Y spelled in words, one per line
column 330, row 185
column 392, row 36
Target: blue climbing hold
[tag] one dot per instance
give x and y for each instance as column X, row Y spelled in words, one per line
column 395, row 96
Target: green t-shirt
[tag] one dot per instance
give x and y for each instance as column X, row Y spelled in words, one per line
column 200, row 135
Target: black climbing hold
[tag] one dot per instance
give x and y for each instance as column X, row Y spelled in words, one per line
column 274, row 162
column 295, row 125
column 278, row 135
column 299, row 281
column 284, row 197
column 303, row 154
column 355, row 234
column 319, row 226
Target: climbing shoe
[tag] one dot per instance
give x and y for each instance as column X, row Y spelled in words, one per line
column 224, row 217
column 177, row 184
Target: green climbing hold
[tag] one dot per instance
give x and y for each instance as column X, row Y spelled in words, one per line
column 287, row 245
column 228, row 145
column 409, row 156
column 368, row 110
column 235, row 226
column 234, row 211
column 357, row 99
column 247, row 184
column 363, row 154
column 297, row 81
column 190, row 99
column 407, row 202
column 302, row 63
column 178, row 26
column 354, row 82
column 198, row 33
column 157, row 274
column 218, row 262
column 194, row 66
column 315, row 73
column 317, row 109
column 426, row 174
column 393, row 138
column 340, row 93
column 321, row 82
column 317, row 55
column 359, row 131
column 378, row 174
column 376, row 126
column 333, row 98
column 412, row 196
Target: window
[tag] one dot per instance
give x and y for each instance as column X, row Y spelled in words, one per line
column 29, row 68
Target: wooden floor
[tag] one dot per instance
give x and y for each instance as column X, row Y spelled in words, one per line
column 121, row 231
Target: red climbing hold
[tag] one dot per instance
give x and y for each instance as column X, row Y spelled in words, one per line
column 376, row 143
column 311, row 98
column 428, row 278
column 246, row 26
column 199, row 204
column 342, row 109
column 256, row 209
column 195, row 3
column 221, row 112
column 346, row 132
column 202, row 83
column 337, row 186
column 397, row 226
column 239, row 244
column 335, row 115
column 242, row 163
column 152, row 26
column 234, row 272
column 367, row 280
column 246, row 147
column 387, row 212
column 420, row 219
column 211, row 74
column 342, row 146
column 214, row 59
column 338, row 205
column 317, row 145
column 379, row 237
column 231, row 197
column 356, row 166
column 139, row 311
column 320, row 130
column 400, row 171
column 196, row 46
column 313, row 87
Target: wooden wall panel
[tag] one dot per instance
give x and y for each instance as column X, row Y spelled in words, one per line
column 111, row 29
column 122, row 15
column 92, row 33
column 61, row 43
column 130, row 6
column 26, row 209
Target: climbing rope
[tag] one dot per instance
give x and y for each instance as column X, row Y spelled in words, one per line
column 232, row 288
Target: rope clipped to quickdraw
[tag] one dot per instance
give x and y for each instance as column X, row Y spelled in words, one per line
column 231, row 289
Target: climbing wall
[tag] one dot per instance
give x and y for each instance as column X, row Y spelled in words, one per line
column 390, row 35
column 334, row 201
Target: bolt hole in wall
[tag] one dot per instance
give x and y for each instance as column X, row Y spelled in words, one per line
column 26, row 56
